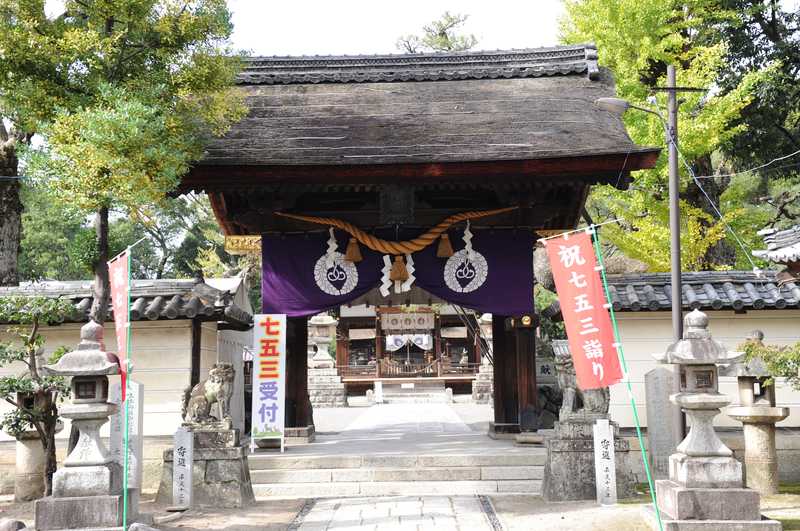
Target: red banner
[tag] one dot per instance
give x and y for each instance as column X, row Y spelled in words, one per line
column 583, row 305
column 118, row 273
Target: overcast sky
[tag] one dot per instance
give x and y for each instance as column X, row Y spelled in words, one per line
column 334, row 27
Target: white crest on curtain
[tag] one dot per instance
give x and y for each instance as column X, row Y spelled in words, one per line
column 332, row 267
column 397, row 341
column 467, row 269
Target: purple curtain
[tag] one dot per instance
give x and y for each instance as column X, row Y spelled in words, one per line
column 301, row 277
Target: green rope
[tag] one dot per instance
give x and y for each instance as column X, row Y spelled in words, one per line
column 127, row 403
column 596, row 240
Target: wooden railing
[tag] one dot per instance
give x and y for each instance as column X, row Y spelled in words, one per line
column 389, row 369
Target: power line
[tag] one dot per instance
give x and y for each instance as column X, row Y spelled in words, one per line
column 773, row 161
column 717, row 211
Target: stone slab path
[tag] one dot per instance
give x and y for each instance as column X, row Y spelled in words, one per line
column 406, row 513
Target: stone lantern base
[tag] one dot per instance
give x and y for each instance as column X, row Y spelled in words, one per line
column 94, row 512
column 569, row 473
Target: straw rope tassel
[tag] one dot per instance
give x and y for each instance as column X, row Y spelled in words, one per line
column 397, row 248
column 445, row 249
column 399, row 273
column 353, row 252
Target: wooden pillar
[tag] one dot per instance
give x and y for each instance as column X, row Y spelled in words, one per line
column 437, row 336
column 298, row 406
column 378, row 343
column 506, row 406
column 197, row 336
column 473, row 352
column 342, row 343
column 528, row 394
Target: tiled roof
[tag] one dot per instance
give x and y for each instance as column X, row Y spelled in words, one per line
column 150, row 300
column 532, row 62
column 783, row 246
column 461, row 107
column 708, row 290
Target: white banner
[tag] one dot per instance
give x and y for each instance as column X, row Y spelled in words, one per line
column 269, row 377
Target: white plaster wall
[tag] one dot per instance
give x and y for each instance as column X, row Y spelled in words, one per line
column 161, row 359
column 646, row 333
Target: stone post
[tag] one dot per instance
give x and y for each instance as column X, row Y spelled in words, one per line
column 758, row 413
column 704, row 489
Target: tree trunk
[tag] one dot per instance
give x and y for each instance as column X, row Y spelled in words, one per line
column 722, row 253
column 10, row 210
column 50, row 462
column 102, row 287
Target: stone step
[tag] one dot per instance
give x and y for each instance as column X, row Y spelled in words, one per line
column 266, row 461
column 322, row 372
column 325, row 385
column 324, row 379
column 395, row 488
column 348, row 475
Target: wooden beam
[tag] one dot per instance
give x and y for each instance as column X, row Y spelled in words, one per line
column 218, row 178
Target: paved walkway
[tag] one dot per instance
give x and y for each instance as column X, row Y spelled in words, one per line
column 406, row 513
column 404, row 429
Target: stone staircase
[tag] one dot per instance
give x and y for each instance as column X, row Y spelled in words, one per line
column 285, row 476
column 325, row 388
column 417, row 392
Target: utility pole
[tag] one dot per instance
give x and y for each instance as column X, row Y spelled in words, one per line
column 674, row 204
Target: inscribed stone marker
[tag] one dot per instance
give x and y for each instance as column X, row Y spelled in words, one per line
column 604, row 463
column 182, row 468
column 135, row 430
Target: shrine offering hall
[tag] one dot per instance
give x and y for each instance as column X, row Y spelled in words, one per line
column 399, row 183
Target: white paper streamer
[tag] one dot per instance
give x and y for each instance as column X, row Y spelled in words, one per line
column 332, row 246
column 468, row 241
column 406, row 286
column 385, row 282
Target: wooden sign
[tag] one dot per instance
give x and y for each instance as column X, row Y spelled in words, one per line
column 269, row 378
column 182, row 460
column 604, row 464
column 243, row 244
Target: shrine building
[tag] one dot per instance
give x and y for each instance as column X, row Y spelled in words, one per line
column 389, row 181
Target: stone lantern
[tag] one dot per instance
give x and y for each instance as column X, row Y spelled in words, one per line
column 758, row 413
column 87, row 490
column 320, row 336
column 704, row 489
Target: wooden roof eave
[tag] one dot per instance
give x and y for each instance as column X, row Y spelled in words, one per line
column 220, row 178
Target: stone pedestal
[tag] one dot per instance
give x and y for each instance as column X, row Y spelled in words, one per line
column 325, row 388
column 29, row 468
column 759, row 414
column 483, row 385
column 760, row 455
column 220, row 473
column 569, row 472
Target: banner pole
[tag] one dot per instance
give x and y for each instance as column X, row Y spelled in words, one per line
column 626, row 376
column 127, row 395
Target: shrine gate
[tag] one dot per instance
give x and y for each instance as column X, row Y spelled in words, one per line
column 386, row 150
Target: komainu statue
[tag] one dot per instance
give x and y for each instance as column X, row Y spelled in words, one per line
column 595, row 401
column 217, row 389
